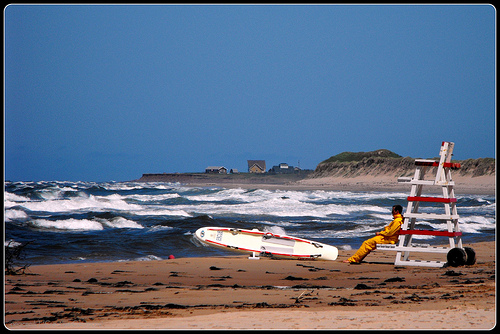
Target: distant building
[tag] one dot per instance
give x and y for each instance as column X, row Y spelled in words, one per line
column 256, row 166
column 283, row 168
column 216, row 170
column 234, row 171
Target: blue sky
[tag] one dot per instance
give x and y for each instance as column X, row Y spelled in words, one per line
column 109, row 92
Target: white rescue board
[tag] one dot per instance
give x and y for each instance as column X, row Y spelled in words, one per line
column 265, row 243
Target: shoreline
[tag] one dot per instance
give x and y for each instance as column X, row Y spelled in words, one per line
column 480, row 185
column 235, row 292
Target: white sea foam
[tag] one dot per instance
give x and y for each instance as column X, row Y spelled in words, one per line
column 150, row 257
column 162, row 212
column 159, row 228
column 485, row 208
column 53, row 193
column 365, row 230
column 11, row 243
column 275, row 203
column 280, row 223
column 69, row 224
column 258, row 195
column 11, row 199
column 275, row 230
column 120, row 222
column 15, row 215
column 474, row 224
column 84, row 224
column 122, row 186
column 91, row 202
column 153, row 198
column 276, row 207
column 237, row 194
column 383, row 217
column 471, row 224
column 119, row 186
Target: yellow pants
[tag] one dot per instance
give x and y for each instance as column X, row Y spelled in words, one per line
column 368, row 245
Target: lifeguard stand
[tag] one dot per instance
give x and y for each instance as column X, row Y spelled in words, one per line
column 456, row 254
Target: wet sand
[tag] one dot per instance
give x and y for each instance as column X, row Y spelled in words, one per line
column 235, row 292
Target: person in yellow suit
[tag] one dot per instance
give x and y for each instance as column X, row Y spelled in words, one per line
column 389, row 235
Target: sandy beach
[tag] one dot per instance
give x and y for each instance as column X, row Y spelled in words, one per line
column 235, row 292
column 480, row 185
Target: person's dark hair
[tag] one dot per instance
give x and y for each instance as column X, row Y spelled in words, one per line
column 398, row 208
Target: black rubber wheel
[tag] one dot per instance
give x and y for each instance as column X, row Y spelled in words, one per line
column 456, row 257
column 471, row 256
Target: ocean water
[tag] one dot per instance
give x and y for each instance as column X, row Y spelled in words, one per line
column 68, row 222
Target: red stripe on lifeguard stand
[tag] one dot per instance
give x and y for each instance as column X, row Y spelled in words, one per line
column 428, row 232
column 431, row 199
column 452, row 165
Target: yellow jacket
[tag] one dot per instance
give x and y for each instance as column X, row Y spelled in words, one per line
column 391, row 231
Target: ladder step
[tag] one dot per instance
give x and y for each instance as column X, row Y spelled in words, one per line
column 431, row 199
column 421, row 249
column 433, row 163
column 420, row 263
column 411, row 180
column 430, row 216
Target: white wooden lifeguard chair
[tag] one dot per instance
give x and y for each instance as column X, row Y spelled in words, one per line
column 456, row 254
